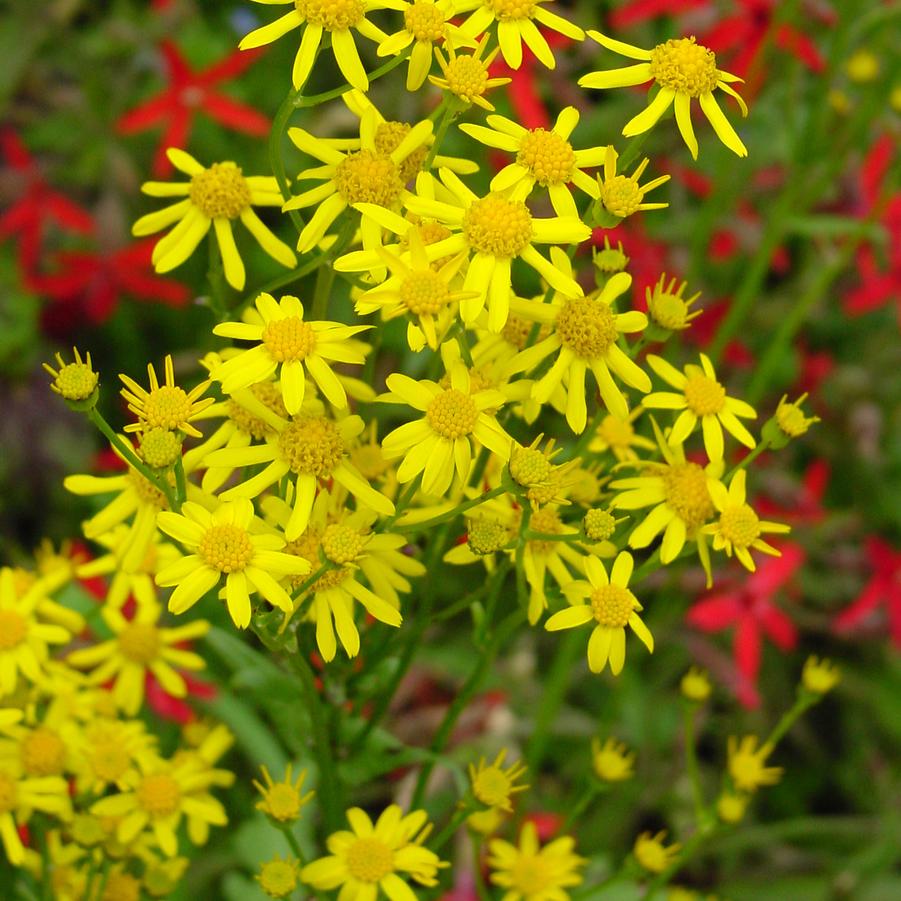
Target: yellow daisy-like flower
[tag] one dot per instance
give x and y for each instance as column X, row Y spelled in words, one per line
column 441, row 441
column 292, row 346
column 738, row 528
column 164, row 406
column 790, row 418
column 466, row 75
column 495, row 230
column 651, row 852
column 367, row 174
column 695, row 685
column 140, row 646
column 282, row 800
column 215, row 196
column 107, row 751
column 612, row 761
column 19, row 797
column 622, row 195
column 668, row 308
column 324, row 19
column 75, row 381
column 701, row 398
column 683, row 70
column 584, row 334
column 516, row 26
column 529, row 872
column 747, row 764
column 495, row 786
column 617, row 435
column 371, row 859
column 543, row 157
column 226, row 543
column 820, row 676
column 611, row 605
column 278, row 878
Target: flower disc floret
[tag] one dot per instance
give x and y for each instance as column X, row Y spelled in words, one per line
column 687, row 493
column 333, row 15
column 425, row 21
column 705, row 396
column 512, row 9
column 369, row 860
column 388, row 137
column 497, row 226
column 159, row 447
column 13, row 630
column 452, row 414
column 76, row 381
column 226, row 547
column 312, row 445
column 424, row 292
column 587, row 327
column 599, row 524
column 684, row 66
column 487, row 536
column 739, row 525
column 529, row 466
column 466, row 76
column 341, row 543
column 140, row 642
column 289, row 339
column 612, row 606
column 549, row 158
column 368, row 177
column 621, row 195
column 167, row 407
column 159, row 795
column 220, row 192
column 43, row 753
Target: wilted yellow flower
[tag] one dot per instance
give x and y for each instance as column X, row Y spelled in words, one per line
column 747, row 764
column 651, row 852
column 612, row 761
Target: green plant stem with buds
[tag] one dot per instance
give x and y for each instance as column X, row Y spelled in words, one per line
column 690, row 712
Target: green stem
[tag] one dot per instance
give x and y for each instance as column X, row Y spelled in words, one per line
column 403, row 502
column 586, row 798
column 279, row 282
column 276, row 160
column 181, row 485
column 452, row 109
column 803, row 703
column 689, row 849
column 447, row 833
column 748, row 459
column 691, row 762
column 325, row 274
column 481, row 889
column 334, row 93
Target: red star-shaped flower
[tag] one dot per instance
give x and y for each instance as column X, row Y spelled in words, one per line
column 749, row 607
column 882, row 590
column 189, row 91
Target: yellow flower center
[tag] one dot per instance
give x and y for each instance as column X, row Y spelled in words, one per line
column 140, row 642
column 452, row 414
column 166, row 407
column 492, row 787
column 530, row 875
column 684, row 66
column 159, row 448
column 121, row 886
column 282, row 802
column 431, row 232
column 791, row 419
column 528, row 466
column 367, row 177
column 369, row 860
column 612, row 605
column 425, row 21
column 611, row 259
column 547, row 156
column 342, row 544
column 467, row 77
column 621, row 195
column 289, row 339
column 109, row 761
column 387, row 139
column 497, row 226
column 312, row 445
column 547, row 522
column 486, row 536
column 686, row 490
column 278, row 878
column 76, row 381
column 334, row 15
column 739, row 525
column 43, row 753
column 147, row 493
column 159, row 794
column 512, row 9
column 267, row 393
column 587, row 327
column 705, row 396
column 599, row 524
column 616, row 432
column 424, row 292
column 8, row 794
column 668, row 310
column 517, row 331
column 13, row 630
column 220, row 192
column 226, row 547
column 307, row 546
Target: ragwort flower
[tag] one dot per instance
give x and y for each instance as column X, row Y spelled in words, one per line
column 653, row 854
column 622, row 195
column 747, row 764
column 495, row 786
column 466, row 75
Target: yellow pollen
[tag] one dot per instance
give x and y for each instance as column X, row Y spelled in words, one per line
column 159, row 794
column 547, row 522
column 424, row 292
column 425, row 21
column 512, row 9
column 267, row 393
column 452, row 414
column 367, row 177
column 159, row 448
column 220, row 192
column 530, row 875
column 369, row 860
column 43, row 753
column 492, row 787
column 121, row 886
column 333, row 15
column 8, row 794
column 226, row 547
column 289, row 339
column 147, row 493
column 616, row 432
column 528, row 466
column 621, row 195
column 497, row 226
column 684, row 66
column 342, row 544
column 686, row 490
column 76, row 381
column 312, row 445
column 705, row 396
column 140, row 642
column 547, row 156
column 166, row 407
column 467, row 77
column 599, row 524
column 587, row 327
column 388, row 137
column 739, row 525
column 13, row 630
column 612, row 606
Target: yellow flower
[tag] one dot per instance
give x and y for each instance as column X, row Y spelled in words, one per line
column 495, row 230
column 495, row 786
column 290, row 345
column 544, row 157
column 747, row 764
column 683, row 70
column 19, row 796
column 140, row 646
column 225, row 543
column 612, row 761
column 107, row 751
column 609, row 259
column 279, row 878
column 370, row 858
column 862, row 66
column 820, row 676
column 370, row 174
column 164, row 406
column 617, row 434
column 215, row 196
column 622, row 195
column 466, row 76
column 74, row 381
column 738, row 528
column 790, row 417
column 730, row 808
column 283, row 800
column 652, row 854
column 611, row 605
column 668, row 308
column 516, row 26
column 585, row 331
column 701, row 398
column 529, row 872
column 599, row 525
column 695, row 685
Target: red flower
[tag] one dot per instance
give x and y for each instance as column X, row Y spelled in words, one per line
column 36, row 204
column 635, row 11
column 187, row 92
column 749, row 608
column 883, row 588
column 177, row 710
